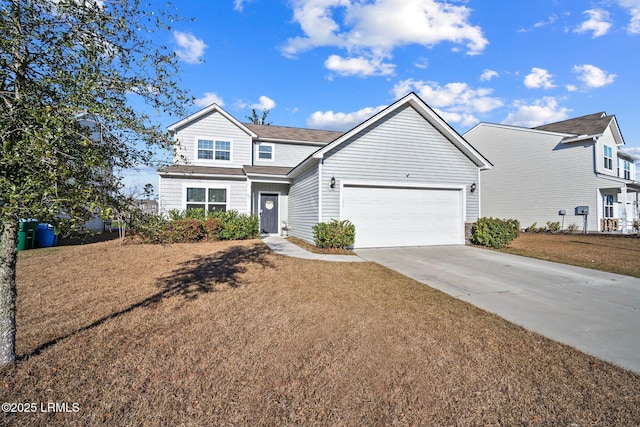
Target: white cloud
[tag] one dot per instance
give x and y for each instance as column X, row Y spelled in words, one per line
column 372, row 30
column 571, row 88
column 190, row 48
column 488, row 75
column 545, row 110
column 238, row 5
column 358, row 66
column 341, row 121
column 593, row 76
column 456, row 102
column 634, row 9
column 209, row 98
column 598, row 22
column 264, row 103
column 538, row 78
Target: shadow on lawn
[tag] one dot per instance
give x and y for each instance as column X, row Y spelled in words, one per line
column 189, row 280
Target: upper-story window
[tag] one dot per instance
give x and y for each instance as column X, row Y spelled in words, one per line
column 214, row 149
column 627, row 170
column 608, row 157
column 265, row 151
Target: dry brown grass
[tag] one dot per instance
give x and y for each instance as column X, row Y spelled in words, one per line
column 616, row 254
column 230, row 333
column 316, row 250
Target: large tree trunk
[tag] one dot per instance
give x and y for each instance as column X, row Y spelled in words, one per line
column 8, row 292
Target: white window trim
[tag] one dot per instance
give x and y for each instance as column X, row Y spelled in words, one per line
column 605, row 157
column 214, row 139
column 206, row 187
column 266, row 144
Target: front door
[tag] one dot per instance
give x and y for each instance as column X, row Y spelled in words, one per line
column 269, row 213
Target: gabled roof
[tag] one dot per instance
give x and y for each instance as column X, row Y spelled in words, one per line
column 285, row 133
column 585, row 127
column 208, row 110
column 425, row 111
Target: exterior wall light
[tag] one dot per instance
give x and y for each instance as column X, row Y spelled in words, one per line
column 472, row 188
column 332, row 183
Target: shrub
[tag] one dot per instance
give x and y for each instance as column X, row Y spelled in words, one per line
column 532, row 228
column 494, row 232
column 152, row 228
column 334, row 234
column 212, row 228
column 198, row 213
column 176, row 214
column 553, row 226
column 237, row 226
column 185, row 231
column 572, row 228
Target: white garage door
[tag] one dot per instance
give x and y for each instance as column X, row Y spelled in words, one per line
column 393, row 216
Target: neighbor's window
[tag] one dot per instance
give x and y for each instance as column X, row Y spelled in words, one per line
column 209, row 199
column 627, row 170
column 265, row 151
column 608, row 206
column 608, row 158
column 214, row 150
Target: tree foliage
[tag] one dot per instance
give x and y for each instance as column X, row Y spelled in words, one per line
column 71, row 75
column 259, row 120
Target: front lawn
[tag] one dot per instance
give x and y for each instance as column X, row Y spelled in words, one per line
column 228, row 333
column 613, row 253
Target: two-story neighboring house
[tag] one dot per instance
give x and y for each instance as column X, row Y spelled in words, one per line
column 560, row 168
column 404, row 177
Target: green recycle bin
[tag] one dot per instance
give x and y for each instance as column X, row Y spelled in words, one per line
column 27, row 234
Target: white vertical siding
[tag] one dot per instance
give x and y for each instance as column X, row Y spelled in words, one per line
column 535, row 176
column 214, row 126
column 403, row 148
column 303, row 204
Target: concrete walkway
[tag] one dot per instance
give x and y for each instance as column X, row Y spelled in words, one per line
column 593, row 311
column 282, row 246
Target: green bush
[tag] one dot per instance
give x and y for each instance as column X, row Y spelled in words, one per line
column 151, row 227
column 572, row 228
column 335, row 234
column 176, row 214
column 198, row 213
column 494, row 232
column 553, row 226
column 212, row 228
column 236, row 226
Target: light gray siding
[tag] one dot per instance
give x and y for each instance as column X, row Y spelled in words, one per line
column 287, row 155
column 304, row 204
column 214, row 126
column 283, row 202
column 173, row 192
column 535, row 176
column 403, row 148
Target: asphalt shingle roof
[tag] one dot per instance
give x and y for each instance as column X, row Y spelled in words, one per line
column 592, row 124
column 293, row 134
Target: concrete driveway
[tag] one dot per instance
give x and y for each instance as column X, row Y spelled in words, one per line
column 596, row 312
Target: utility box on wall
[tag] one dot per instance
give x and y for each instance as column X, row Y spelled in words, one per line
column 582, row 210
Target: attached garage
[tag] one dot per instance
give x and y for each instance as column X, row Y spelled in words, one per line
column 388, row 215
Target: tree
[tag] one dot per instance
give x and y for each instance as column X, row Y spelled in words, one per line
column 258, row 120
column 148, row 190
column 71, row 72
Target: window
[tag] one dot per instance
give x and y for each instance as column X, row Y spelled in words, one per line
column 608, row 158
column 209, row 199
column 265, row 151
column 214, row 150
column 608, row 206
column 223, row 150
column 627, row 170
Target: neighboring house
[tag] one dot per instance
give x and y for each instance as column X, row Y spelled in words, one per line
column 557, row 168
column 404, row 177
column 147, row 206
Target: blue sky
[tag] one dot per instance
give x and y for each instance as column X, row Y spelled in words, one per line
column 330, row 64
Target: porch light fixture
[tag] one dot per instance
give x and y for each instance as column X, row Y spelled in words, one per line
column 332, row 183
column 472, row 188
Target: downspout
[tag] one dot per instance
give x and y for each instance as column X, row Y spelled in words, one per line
column 320, row 190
